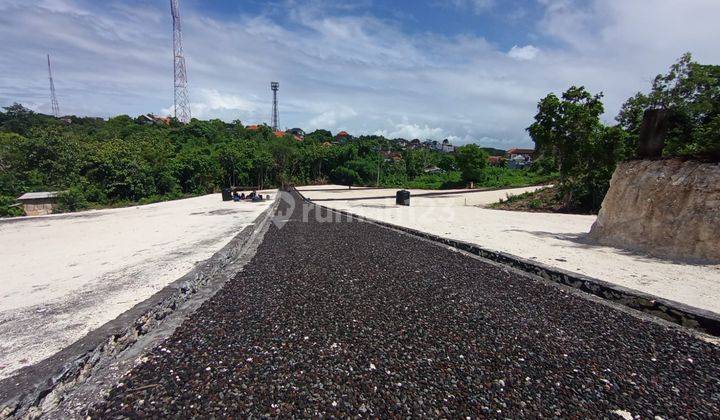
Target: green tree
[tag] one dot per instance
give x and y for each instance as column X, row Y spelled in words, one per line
column 319, row 136
column 568, row 132
column 12, row 164
column 471, row 160
column 691, row 91
column 196, row 171
column 118, row 168
column 345, row 176
column 419, row 159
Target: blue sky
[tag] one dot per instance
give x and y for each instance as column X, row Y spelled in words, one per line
column 504, row 23
column 467, row 70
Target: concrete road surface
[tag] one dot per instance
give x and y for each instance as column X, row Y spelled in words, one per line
column 64, row 275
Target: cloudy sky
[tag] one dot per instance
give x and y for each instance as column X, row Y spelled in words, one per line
column 468, row 70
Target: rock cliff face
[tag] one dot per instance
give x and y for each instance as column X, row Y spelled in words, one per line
column 665, row 208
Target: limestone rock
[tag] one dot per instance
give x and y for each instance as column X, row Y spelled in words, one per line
column 665, row 208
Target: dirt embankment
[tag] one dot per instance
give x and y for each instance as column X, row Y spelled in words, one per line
column 666, row 208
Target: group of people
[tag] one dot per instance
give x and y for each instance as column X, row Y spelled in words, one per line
column 253, row 196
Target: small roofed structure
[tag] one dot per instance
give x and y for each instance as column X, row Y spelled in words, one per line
column 150, row 119
column 520, row 158
column 39, row 203
column 496, row 160
column 520, row 152
column 297, row 133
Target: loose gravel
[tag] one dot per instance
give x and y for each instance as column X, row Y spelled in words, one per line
column 348, row 319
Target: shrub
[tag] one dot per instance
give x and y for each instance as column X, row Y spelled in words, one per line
column 73, row 199
column 7, row 207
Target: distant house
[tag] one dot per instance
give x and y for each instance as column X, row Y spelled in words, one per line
column 39, row 203
column 446, row 147
column 277, row 133
column 297, row 133
column 414, row 144
column 496, row 161
column 163, row 120
column 391, row 156
column 144, row 120
column 150, row 119
column 520, row 158
column 343, row 137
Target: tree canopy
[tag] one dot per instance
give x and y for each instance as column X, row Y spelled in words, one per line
column 691, row 91
column 569, row 135
column 97, row 162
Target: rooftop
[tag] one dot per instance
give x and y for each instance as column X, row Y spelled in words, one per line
column 38, row 195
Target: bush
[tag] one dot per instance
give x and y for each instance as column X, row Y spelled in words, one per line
column 344, row 176
column 7, row 208
column 73, row 199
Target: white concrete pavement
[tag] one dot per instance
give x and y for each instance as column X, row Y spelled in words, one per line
column 64, row 275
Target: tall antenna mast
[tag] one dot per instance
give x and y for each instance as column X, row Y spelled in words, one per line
column 275, row 86
column 53, row 98
column 181, row 100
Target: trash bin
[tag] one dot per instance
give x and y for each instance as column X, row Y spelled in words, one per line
column 226, row 195
column 402, row 198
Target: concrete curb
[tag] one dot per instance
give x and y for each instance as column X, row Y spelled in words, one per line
column 688, row 316
column 41, row 388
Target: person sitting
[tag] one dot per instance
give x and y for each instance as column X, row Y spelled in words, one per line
column 242, row 196
column 252, row 195
column 235, row 196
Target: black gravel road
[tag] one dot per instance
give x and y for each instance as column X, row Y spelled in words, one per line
column 352, row 319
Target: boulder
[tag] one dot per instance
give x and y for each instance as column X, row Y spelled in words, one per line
column 666, row 208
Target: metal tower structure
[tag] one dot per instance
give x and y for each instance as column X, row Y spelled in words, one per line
column 53, row 98
column 182, row 100
column 275, row 86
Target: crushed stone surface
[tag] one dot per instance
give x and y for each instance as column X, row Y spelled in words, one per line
column 352, row 319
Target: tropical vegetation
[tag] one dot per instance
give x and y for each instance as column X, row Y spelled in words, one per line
column 570, row 137
column 123, row 160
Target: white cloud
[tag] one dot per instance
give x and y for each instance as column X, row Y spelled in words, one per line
column 210, row 103
column 527, row 52
column 344, row 72
column 332, row 119
column 413, row 131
